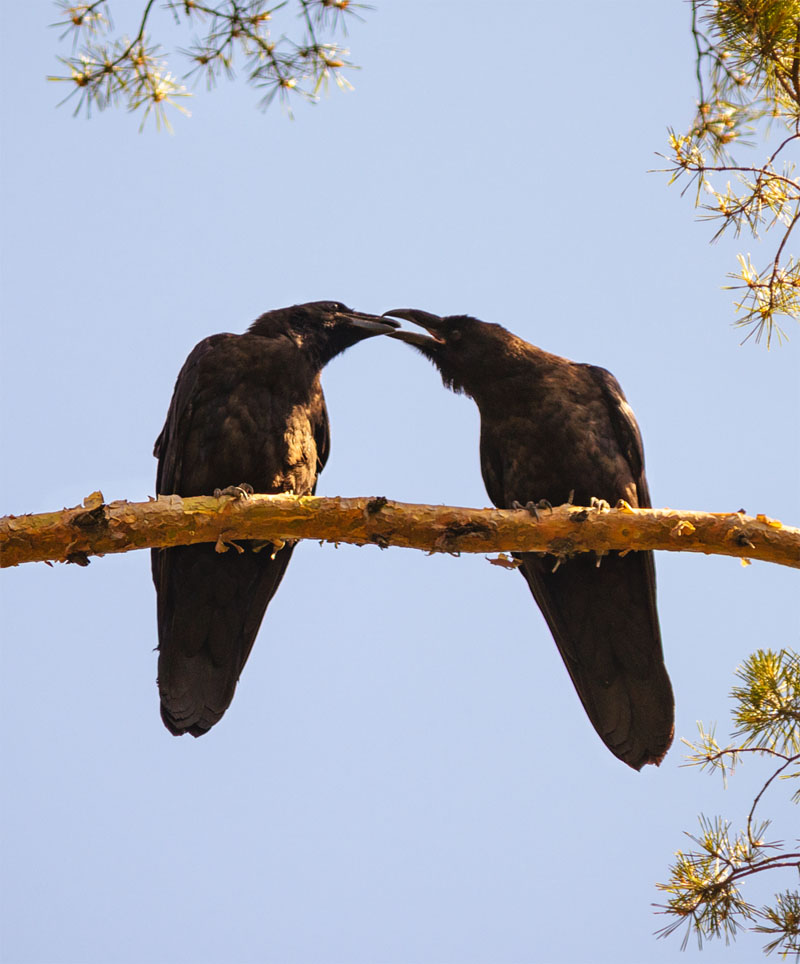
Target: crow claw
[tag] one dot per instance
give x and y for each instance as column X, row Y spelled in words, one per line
column 241, row 492
column 533, row 507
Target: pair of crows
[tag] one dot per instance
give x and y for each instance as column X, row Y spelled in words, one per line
column 249, row 409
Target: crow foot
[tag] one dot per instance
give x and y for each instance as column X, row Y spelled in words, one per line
column 242, row 491
column 533, row 507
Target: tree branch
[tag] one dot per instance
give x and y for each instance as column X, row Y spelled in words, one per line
column 96, row 528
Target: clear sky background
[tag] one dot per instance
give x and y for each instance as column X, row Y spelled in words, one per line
column 406, row 774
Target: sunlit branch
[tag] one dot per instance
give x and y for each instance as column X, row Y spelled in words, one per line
column 96, row 528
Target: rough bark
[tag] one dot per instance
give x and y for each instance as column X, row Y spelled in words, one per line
column 96, row 528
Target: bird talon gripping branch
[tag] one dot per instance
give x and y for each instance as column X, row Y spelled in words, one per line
column 240, row 492
column 532, row 508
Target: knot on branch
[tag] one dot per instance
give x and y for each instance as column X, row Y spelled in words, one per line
column 91, row 519
column 563, row 548
column 454, row 531
column 78, row 559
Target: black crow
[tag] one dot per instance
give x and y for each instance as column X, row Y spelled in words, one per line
column 552, row 429
column 247, row 409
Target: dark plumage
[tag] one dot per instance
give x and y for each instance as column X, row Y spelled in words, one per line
column 246, row 409
column 549, row 427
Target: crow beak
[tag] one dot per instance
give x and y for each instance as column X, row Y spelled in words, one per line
column 433, row 323
column 374, row 324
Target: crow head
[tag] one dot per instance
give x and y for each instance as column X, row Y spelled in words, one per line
column 467, row 352
column 323, row 328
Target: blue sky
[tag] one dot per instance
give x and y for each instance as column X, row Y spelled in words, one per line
column 406, row 774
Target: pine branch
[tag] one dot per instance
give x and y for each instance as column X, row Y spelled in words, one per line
column 96, row 528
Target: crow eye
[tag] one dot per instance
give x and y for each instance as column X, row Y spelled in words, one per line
column 454, row 335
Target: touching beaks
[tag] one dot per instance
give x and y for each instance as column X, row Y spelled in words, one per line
column 432, row 323
column 422, row 318
column 376, row 324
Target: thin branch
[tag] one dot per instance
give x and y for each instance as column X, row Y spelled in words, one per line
column 781, row 246
column 96, row 528
column 696, row 34
column 783, row 860
column 736, row 169
column 762, row 791
column 734, row 752
column 128, row 50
